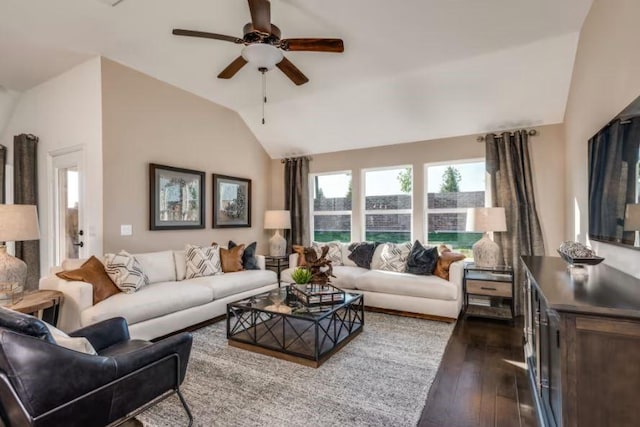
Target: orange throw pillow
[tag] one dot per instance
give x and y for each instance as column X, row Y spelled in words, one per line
column 445, row 260
column 92, row 271
column 231, row 259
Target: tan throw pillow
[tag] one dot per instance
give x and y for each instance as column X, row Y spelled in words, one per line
column 231, row 259
column 92, row 271
column 445, row 260
column 302, row 262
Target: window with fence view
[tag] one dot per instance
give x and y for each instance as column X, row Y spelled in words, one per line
column 451, row 189
column 331, row 212
column 387, row 211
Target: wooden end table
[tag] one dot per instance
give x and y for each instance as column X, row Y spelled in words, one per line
column 45, row 300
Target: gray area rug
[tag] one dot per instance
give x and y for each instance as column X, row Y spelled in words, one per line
column 381, row 378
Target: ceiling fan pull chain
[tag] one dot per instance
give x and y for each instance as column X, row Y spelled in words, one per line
column 264, row 90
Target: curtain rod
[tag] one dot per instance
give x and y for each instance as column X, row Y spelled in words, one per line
column 293, row 158
column 530, row 132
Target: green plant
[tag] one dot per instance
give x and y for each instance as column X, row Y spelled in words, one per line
column 301, row 275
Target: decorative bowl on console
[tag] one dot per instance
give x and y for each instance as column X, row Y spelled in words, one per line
column 575, row 253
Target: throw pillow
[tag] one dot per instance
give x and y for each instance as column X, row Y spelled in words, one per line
column 80, row 344
column 445, row 260
column 422, row 260
column 203, row 261
column 231, row 259
column 335, row 251
column 249, row 260
column 93, row 272
column 125, row 271
column 362, row 253
column 394, row 256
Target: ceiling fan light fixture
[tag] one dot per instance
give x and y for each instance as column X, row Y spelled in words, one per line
column 262, row 55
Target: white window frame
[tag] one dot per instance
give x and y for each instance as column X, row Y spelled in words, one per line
column 313, row 213
column 363, row 199
column 427, row 210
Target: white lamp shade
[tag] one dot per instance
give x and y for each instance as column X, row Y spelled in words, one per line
column 632, row 217
column 262, row 55
column 486, row 219
column 18, row 223
column 277, row 220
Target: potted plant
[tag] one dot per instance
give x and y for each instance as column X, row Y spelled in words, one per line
column 301, row 275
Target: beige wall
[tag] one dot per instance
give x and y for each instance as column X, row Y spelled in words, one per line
column 547, row 150
column 148, row 121
column 606, row 78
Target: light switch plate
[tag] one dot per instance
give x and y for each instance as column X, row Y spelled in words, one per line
column 126, row 230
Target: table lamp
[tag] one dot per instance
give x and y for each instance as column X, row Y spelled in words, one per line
column 486, row 253
column 17, row 223
column 632, row 221
column 277, row 220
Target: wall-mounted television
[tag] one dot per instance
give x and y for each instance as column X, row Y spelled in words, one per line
column 614, row 180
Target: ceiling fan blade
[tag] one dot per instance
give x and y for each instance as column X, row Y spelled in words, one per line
column 292, row 72
column 313, row 45
column 232, row 68
column 202, row 34
column 261, row 15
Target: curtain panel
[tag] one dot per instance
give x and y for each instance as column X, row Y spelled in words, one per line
column 296, row 191
column 3, row 178
column 25, row 192
column 509, row 166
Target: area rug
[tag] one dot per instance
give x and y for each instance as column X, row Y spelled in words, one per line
column 381, row 378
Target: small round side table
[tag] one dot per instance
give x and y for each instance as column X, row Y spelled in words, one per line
column 45, row 300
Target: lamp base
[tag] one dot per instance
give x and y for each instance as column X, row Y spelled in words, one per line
column 277, row 245
column 13, row 274
column 486, row 252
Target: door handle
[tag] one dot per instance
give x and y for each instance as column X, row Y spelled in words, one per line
column 81, row 244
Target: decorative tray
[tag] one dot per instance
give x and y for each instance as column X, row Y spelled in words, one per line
column 588, row 261
column 313, row 295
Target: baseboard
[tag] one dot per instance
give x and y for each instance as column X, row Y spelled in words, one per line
column 410, row 314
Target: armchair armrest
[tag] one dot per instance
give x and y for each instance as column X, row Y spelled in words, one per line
column 179, row 344
column 262, row 263
column 104, row 334
column 293, row 260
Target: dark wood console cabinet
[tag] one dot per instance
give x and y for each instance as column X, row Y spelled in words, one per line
column 582, row 344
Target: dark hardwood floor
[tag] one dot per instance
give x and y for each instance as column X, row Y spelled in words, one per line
column 482, row 379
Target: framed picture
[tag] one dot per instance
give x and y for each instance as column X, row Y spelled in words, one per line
column 231, row 202
column 176, row 198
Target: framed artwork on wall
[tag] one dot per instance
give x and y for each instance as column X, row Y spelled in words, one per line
column 176, row 198
column 231, row 202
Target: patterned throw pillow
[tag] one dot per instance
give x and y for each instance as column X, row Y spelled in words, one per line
column 125, row 271
column 393, row 256
column 203, row 261
column 335, row 251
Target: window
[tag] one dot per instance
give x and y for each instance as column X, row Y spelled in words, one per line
column 388, row 201
column 451, row 189
column 331, row 207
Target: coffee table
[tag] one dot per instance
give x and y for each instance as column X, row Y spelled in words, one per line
column 301, row 336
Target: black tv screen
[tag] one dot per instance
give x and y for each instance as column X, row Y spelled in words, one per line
column 614, row 179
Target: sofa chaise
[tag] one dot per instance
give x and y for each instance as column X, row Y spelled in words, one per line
column 168, row 304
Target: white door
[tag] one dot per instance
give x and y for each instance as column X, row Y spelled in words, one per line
column 68, row 216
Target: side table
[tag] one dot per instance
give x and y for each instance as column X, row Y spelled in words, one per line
column 490, row 283
column 278, row 263
column 45, row 300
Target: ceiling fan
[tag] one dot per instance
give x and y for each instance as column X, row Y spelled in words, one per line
column 263, row 45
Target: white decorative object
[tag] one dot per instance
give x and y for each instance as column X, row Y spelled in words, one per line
column 17, row 223
column 277, row 220
column 486, row 253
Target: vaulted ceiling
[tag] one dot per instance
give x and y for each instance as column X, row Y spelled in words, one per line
column 412, row 70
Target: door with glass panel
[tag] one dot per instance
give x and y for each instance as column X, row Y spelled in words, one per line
column 68, row 232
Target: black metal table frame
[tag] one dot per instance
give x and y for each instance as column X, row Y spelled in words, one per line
column 353, row 312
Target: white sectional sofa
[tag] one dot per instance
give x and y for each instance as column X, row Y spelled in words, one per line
column 168, row 304
column 428, row 296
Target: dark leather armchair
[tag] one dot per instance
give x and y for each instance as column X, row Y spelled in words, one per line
column 43, row 384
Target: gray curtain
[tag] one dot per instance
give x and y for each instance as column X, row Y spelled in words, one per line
column 296, row 193
column 3, row 162
column 25, row 192
column 509, row 165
